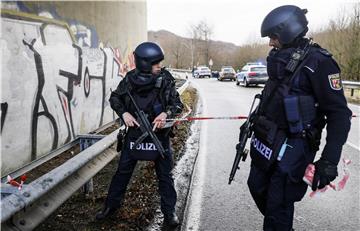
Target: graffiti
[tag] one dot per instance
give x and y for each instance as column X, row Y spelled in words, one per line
column 86, row 36
column 87, row 84
column 117, row 60
column 39, row 99
column 52, row 89
column 4, row 107
column 126, row 66
column 72, row 80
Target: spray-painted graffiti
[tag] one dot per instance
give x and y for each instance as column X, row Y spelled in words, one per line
column 126, row 66
column 52, row 89
column 4, row 107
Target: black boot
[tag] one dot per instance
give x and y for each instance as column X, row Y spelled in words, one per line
column 105, row 213
column 171, row 220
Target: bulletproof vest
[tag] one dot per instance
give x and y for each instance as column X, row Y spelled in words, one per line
column 148, row 100
column 276, row 87
column 279, row 91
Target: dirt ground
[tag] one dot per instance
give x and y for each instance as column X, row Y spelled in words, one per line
column 141, row 199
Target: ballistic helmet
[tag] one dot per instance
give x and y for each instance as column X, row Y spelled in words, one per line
column 286, row 23
column 147, row 54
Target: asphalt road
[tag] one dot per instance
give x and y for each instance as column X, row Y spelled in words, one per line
column 215, row 205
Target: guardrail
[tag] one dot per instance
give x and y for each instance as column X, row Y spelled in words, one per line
column 179, row 70
column 26, row 208
column 352, row 85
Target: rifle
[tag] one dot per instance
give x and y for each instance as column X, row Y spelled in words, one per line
column 146, row 128
column 245, row 134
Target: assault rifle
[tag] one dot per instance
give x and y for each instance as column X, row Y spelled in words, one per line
column 146, row 128
column 245, row 134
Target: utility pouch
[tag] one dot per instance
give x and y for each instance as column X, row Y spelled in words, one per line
column 308, row 109
column 265, row 143
column 313, row 136
column 265, row 129
column 145, row 150
column 293, row 115
column 120, row 140
column 157, row 108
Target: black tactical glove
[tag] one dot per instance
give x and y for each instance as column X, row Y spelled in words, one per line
column 325, row 172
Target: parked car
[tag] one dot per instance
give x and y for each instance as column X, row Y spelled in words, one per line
column 252, row 73
column 201, row 72
column 214, row 74
column 227, row 72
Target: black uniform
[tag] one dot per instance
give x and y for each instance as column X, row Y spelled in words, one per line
column 293, row 112
column 153, row 94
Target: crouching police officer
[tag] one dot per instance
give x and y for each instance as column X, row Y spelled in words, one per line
column 153, row 90
column 303, row 94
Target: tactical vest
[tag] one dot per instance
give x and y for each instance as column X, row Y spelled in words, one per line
column 284, row 111
column 282, row 100
column 149, row 101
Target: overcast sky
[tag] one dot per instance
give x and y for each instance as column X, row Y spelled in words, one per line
column 236, row 21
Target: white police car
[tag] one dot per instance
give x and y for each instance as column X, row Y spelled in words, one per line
column 252, row 73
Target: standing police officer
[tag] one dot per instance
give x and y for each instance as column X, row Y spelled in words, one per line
column 153, row 90
column 303, row 94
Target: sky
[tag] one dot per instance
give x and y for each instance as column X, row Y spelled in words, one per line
column 236, row 21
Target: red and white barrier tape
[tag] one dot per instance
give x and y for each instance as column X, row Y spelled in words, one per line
column 14, row 183
column 309, row 175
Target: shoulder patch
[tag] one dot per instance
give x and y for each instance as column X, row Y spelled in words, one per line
column 335, row 81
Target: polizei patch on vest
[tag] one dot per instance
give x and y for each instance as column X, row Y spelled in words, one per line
column 261, row 148
column 143, row 146
column 335, row 81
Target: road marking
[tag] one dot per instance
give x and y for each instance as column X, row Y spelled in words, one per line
column 193, row 207
column 353, row 145
column 354, row 105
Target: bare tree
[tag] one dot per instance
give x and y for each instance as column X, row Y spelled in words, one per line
column 201, row 34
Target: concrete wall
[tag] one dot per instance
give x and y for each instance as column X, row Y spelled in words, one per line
column 57, row 75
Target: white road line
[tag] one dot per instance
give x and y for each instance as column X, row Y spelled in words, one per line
column 193, row 208
column 353, row 145
column 354, row 105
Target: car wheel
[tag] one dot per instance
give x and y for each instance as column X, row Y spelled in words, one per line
column 246, row 84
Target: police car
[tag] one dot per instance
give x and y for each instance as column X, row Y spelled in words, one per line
column 201, row 72
column 252, row 73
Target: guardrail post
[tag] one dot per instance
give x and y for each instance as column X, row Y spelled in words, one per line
column 85, row 142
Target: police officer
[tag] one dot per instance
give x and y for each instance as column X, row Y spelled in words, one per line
column 154, row 91
column 303, row 94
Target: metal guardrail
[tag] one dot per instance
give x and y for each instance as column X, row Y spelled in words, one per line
column 27, row 208
column 352, row 85
column 183, row 87
column 42, row 196
column 28, row 167
column 179, row 70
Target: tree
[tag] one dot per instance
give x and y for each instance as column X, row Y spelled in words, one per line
column 201, row 34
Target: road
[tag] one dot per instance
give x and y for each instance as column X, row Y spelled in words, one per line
column 215, row 205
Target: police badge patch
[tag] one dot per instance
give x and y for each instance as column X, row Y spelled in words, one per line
column 335, row 81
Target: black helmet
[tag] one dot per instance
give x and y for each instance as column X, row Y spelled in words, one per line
column 286, row 23
column 146, row 55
